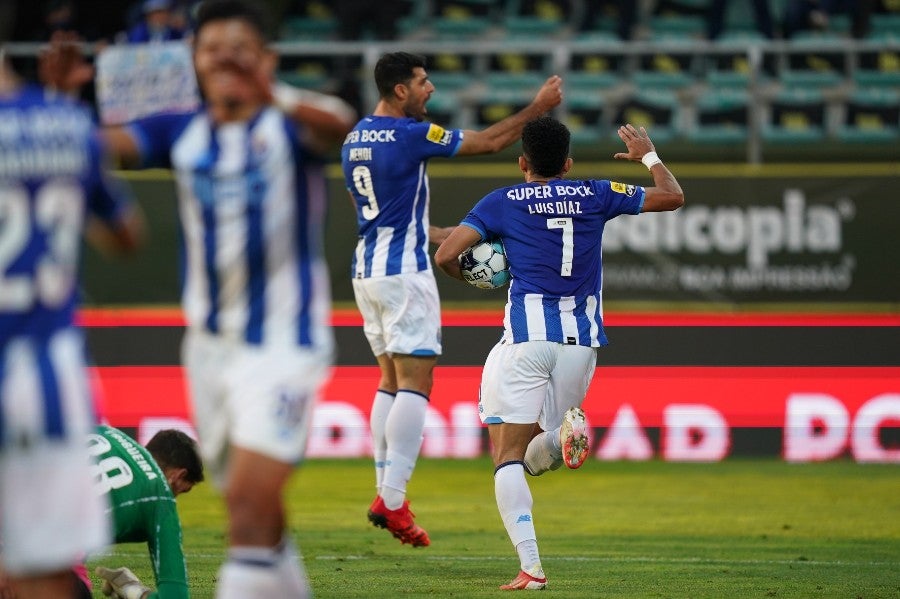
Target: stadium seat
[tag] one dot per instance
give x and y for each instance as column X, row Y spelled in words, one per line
column 871, row 116
column 593, row 70
column 808, row 66
column 516, row 71
column 885, row 25
column 447, row 109
column 665, row 68
column 497, row 104
column 316, row 22
column 584, row 116
column 878, row 68
column 720, row 116
column 657, row 110
column 795, row 116
column 451, row 71
column 461, row 19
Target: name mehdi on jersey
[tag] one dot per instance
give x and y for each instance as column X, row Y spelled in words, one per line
column 547, row 192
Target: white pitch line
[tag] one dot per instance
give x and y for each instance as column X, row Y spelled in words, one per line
column 559, row 558
column 633, row 559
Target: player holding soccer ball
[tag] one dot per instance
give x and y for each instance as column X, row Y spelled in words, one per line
column 536, row 377
column 384, row 160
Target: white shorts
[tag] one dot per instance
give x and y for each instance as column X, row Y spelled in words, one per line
column 50, row 515
column 254, row 397
column 535, row 381
column 401, row 313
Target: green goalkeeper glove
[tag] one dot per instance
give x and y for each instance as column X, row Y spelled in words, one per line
column 121, row 583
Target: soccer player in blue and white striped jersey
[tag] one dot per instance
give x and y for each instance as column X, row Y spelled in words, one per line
column 51, row 183
column 384, row 160
column 256, row 295
column 536, row 377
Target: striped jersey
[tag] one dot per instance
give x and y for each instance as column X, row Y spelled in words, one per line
column 384, row 160
column 552, row 236
column 252, row 207
column 50, row 179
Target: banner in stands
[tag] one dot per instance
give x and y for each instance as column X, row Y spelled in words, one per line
column 136, row 80
column 695, row 413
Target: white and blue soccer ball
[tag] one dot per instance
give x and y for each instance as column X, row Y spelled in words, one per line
column 484, row 265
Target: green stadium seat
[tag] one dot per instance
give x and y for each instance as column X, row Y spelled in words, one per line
column 666, row 68
column 461, row 19
column 592, row 70
column 446, row 109
column 318, row 26
column 656, row 110
column 584, row 116
column 871, row 116
column 878, row 68
column 810, row 66
column 720, row 116
column 497, row 104
column 795, row 116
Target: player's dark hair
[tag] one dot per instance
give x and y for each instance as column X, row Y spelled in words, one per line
column 219, row 10
column 545, row 145
column 394, row 68
column 171, row 448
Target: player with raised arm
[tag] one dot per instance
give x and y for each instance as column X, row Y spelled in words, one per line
column 536, row 377
column 51, row 183
column 258, row 347
column 384, row 160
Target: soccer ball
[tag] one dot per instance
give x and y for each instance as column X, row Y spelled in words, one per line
column 484, row 265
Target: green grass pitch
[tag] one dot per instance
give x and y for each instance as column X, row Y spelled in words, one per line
column 735, row 529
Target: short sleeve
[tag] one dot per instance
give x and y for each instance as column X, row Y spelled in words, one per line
column 427, row 140
column 155, row 135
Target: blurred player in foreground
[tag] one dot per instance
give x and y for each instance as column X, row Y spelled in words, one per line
column 51, row 183
column 256, row 295
column 142, row 484
column 535, row 379
column 384, row 160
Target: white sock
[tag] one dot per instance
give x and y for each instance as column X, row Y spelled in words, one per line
column 381, row 407
column 403, row 431
column 263, row 572
column 529, row 558
column 543, row 453
column 291, row 571
column 514, row 502
column 249, row 572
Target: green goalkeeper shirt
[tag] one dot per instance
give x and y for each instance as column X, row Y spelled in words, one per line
column 143, row 507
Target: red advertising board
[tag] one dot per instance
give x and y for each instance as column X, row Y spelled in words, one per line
column 822, row 412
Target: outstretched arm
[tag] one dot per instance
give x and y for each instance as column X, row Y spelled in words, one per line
column 504, row 133
column 666, row 193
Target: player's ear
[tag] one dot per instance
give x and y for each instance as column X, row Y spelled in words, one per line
column 401, row 91
column 567, row 165
column 523, row 165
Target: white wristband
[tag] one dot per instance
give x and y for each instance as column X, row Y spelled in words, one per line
column 650, row 159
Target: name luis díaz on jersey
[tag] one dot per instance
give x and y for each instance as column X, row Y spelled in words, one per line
column 546, row 192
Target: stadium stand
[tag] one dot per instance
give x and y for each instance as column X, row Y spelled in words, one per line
column 871, row 116
column 795, row 116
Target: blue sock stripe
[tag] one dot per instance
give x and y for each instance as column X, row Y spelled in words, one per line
column 510, row 463
column 422, row 395
column 392, row 394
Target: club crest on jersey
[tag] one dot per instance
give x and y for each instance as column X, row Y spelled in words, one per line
column 438, row 135
column 628, row 190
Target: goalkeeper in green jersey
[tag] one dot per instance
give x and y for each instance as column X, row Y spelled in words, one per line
column 142, row 484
